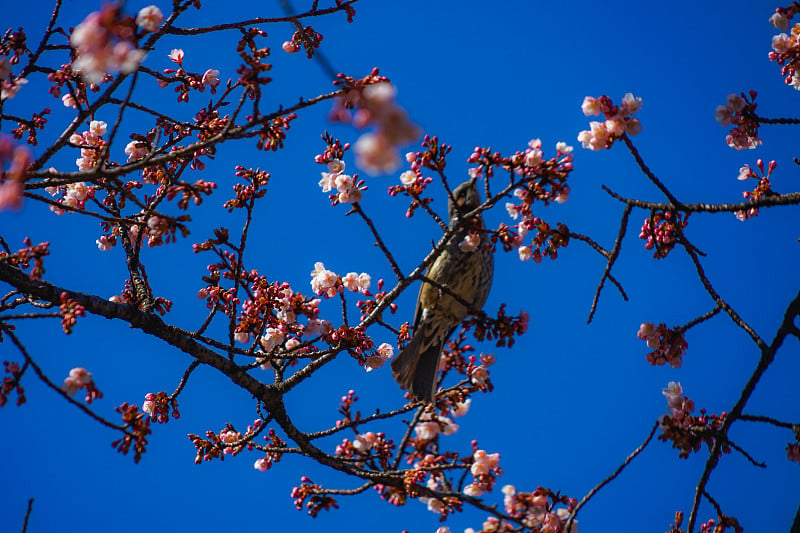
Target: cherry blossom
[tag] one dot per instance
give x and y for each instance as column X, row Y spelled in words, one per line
column 149, row 18
column 618, row 121
column 384, row 353
column 100, row 48
column 324, row 281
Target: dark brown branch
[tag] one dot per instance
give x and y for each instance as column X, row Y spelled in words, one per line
column 759, row 464
column 765, row 201
column 258, row 20
column 612, row 257
column 360, row 421
column 701, row 319
column 763, row 120
column 714, row 503
column 194, row 364
column 767, row 356
column 599, row 249
column 767, row 420
column 27, row 515
column 379, row 241
column 720, row 302
column 648, row 172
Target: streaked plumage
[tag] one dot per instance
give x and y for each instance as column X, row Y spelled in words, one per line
column 467, row 274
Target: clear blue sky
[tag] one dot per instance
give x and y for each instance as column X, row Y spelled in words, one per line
column 571, row 400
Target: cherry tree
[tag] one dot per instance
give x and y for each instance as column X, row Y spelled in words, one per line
column 115, row 131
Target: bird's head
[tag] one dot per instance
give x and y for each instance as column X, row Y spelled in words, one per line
column 465, row 199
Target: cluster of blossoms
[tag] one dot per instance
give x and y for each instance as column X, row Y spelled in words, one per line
column 786, row 47
column 413, row 182
column 155, row 229
column 137, row 428
column 537, row 509
column 384, row 352
column 361, row 444
column 80, row 378
column 373, row 97
column 9, row 85
column 326, row 282
column 274, row 337
column 273, row 455
column 307, row 37
column 431, row 463
column 662, row 231
column 377, row 152
column 69, row 310
column 271, row 315
column 618, row 121
column 91, row 144
column 158, row 407
column 187, row 80
column 348, row 188
column 710, row 526
column 688, row 432
column 318, row 500
column 367, row 446
column 763, row 189
column 503, row 328
column 227, row 442
column 105, row 43
column 23, row 257
column 542, row 180
column 485, row 467
column 11, row 383
column 430, row 427
column 15, row 159
column 668, row 345
column 740, row 111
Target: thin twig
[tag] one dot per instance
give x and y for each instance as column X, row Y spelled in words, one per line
column 610, row 478
column 194, row 364
column 649, row 173
column 768, row 420
column 55, row 387
column 379, row 241
column 27, row 515
column 764, row 201
column 701, row 319
column 612, row 257
column 759, row 464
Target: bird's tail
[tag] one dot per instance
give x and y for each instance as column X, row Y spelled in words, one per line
column 417, row 366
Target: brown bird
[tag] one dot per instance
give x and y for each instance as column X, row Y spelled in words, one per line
column 467, row 274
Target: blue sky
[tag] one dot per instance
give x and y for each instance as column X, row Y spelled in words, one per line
column 571, row 400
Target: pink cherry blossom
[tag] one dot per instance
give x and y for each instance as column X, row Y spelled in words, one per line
column 210, row 78
column 149, row 18
column 470, row 243
column 176, row 55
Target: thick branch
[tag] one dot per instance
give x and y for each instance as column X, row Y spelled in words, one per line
column 767, row 356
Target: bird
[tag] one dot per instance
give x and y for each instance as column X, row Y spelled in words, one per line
column 467, row 274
